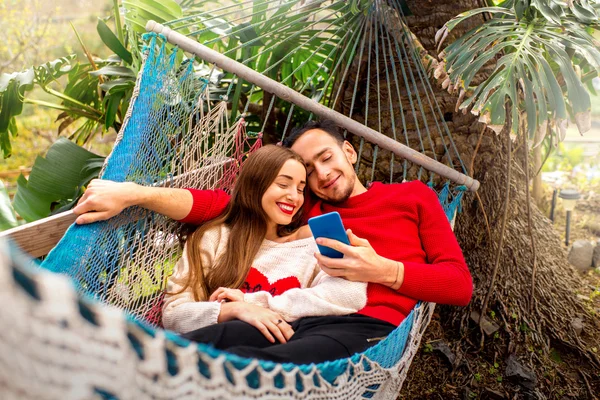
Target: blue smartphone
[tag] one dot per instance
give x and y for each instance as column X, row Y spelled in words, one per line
column 329, row 226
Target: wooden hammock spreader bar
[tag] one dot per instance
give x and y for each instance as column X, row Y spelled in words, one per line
column 288, row 94
column 37, row 238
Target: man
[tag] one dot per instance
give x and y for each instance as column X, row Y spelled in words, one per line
column 401, row 243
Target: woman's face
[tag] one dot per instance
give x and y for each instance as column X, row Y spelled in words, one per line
column 285, row 196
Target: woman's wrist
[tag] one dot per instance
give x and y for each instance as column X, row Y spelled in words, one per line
column 229, row 311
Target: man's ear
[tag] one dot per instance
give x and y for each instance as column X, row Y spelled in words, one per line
column 349, row 152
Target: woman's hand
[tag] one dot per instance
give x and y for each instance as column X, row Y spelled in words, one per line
column 227, row 294
column 269, row 323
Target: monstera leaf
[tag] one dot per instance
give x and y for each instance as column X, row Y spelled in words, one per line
column 544, row 58
column 56, row 180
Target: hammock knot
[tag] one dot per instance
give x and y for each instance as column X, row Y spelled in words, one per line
column 147, row 36
column 149, row 40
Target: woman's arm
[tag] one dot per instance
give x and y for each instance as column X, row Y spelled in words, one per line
column 183, row 315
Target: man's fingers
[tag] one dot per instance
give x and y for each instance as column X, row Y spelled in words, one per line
column 334, row 244
column 83, row 206
column 90, row 217
column 99, row 183
column 332, row 271
column 355, row 240
column 94, row 182
column 332, row 263
column 322, row 260
column 82, row 199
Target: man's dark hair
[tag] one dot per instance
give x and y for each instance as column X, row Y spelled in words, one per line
column 326, row 125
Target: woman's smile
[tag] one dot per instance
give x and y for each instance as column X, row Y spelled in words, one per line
column 286, row 208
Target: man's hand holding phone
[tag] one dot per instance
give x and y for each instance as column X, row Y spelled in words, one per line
column 358, row 262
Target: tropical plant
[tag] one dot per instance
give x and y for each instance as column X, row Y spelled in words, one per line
column 280, row 40
column 56, row 181
column 8, row 219
column 28, row 32
column 95, row 93
column 545, row 57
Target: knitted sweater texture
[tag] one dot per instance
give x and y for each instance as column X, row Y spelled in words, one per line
column 284, row 277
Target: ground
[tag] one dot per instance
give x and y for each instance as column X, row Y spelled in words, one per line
column 469, row 378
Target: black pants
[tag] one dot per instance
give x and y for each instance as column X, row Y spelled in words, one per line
column 315, row 339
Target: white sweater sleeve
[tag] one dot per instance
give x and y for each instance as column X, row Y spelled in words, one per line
column 181, row 313
column 327, row 295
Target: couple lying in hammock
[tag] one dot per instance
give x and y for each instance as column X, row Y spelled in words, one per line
column 251, row 280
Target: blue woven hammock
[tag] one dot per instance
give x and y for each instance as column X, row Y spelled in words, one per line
column 175, row 134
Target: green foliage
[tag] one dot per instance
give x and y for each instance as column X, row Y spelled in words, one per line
column 56, row 181
column 112, row 42
column 12, row 88
column 281, row 42
column 92, row 95
column 545, row 61
column 8, row 219
column 139, row 12
column 96, row 95
column 97, row 92
column 564, row 159
column 80, row 98
column 29, row 32
column 555, row 356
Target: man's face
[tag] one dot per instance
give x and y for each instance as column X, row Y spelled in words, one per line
column 329, row 166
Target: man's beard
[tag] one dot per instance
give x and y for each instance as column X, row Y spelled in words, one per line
column 346, row 192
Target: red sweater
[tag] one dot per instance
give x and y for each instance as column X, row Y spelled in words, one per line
column 403, row 222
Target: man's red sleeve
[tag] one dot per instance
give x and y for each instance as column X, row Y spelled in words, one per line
column 208, row 204
column 445, row 278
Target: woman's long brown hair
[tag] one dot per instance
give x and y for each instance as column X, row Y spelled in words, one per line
column 247, row 221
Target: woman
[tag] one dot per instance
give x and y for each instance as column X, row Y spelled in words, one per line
column 254, row 263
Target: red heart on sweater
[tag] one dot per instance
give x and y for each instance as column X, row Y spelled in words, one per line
column 256, row 282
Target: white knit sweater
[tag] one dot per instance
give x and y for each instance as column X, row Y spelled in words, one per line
column 287, row 269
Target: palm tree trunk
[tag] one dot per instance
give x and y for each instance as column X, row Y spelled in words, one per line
column 537, row 191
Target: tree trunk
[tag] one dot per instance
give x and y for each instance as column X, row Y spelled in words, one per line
column 537, row 191
column 532, row 335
